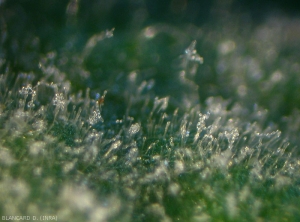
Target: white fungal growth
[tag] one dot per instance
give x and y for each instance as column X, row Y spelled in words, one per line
column 36, row 148
column 191, row 53
column 25, row 91
column 134, row 128
column 200, row 125
column 191, row 57
column 95, row 39
column 113, row 147
column 155, row 158
column 183, row 129
column 231, row 204
column 5, row 157
column 28, row 91
column 161, row 104
column 173, row 189
column 59, row 101
column 179, row 167
column 96, row 117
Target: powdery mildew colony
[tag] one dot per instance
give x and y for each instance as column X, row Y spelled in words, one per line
column 166, row 159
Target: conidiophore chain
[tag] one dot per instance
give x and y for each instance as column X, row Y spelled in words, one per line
column 189, row 64
column 28, row 92
column 96, row 115
column 191, row 59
